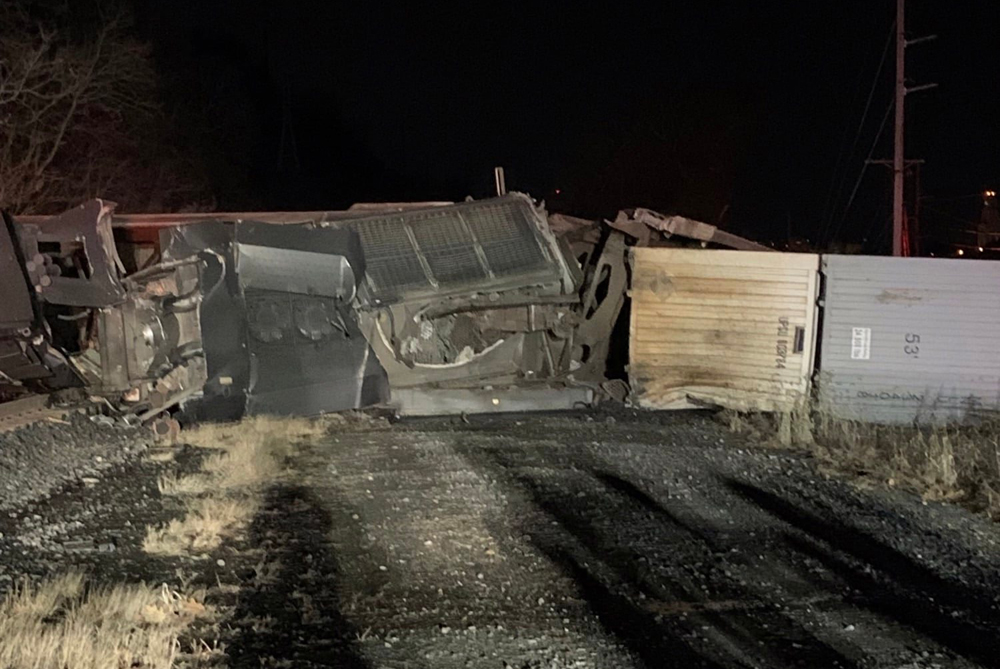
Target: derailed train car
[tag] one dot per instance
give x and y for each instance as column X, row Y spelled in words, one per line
column 72, row 319
column 465, row 307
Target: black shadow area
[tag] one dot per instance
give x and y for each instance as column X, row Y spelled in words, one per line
column 962, row 619
column 293, row 612
column 631, row 560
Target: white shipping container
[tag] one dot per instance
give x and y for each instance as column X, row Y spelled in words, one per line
column 909, row 340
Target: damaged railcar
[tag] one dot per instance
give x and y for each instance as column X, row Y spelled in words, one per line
column 431, row 308
column 75, row 320
column 466, row 307
column 236, row 317
column 475, row 307
column 279, row 332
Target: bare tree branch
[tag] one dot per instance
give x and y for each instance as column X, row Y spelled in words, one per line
column 80, row 116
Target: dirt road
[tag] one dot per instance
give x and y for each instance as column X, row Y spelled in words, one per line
column 551, row 542
column 569, row 542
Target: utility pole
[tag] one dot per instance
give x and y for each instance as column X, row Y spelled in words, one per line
column 899, row 156
column 898, row 159
column 914, row 222
column 911, row 233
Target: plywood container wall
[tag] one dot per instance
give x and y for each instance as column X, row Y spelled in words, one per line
column 722, row 328
column 910, row 340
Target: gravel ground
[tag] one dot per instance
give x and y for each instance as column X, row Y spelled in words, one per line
column 626, row 542
column 38, row 459
column 591, row 541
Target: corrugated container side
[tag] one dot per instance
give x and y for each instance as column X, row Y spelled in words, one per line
column 721, row 328
column 909, row 340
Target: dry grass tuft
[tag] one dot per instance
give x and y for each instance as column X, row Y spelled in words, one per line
column 222, row 498
column 257, row 428
column 171, row 484
column 252, row 453
column 39, row 601
column 60, row 623
column 251, row 460
column 205, row 524
column 940, row 463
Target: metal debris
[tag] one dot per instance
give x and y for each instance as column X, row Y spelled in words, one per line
column 312, row 312
column 649, row 227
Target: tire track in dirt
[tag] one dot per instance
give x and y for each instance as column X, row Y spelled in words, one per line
column 561, row 542
column 426, row 576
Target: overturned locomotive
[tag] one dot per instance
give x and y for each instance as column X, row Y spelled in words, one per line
column 475, row 306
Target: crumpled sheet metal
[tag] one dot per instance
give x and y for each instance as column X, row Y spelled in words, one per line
column 641, row 223
column 278, row 332
column 89, row 225
column 15, row 297
column 302, row 259
column 295, row 271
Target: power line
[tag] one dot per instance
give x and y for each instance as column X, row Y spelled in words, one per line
column 857, row 135
column 864, row 168
column 843, row 135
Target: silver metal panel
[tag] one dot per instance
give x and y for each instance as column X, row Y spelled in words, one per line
column 472, row 247
column 293, row 271
column 910, row 340
column 445, row 401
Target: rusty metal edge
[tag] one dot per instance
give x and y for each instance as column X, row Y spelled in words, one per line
column 168, row 220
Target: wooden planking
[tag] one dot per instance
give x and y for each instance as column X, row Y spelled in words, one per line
column 702, row 370
column 761, row 310
column 787, row 285
column 759, row 366
column 709, row 300
column 718, row 327
column 707, row 328
column 685, row 338
column 695, row 396
column 680, row 380
column 765, row 260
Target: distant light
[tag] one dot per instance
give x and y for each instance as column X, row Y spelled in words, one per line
column 558, row 191
column 980, row 249
column 991, row 193
column 961, row 252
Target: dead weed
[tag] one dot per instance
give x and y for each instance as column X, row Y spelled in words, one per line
column 63, row 623
column 223, row 497
column 251, row 453
column 254, row 429
column 206, row 522
column 940, row 463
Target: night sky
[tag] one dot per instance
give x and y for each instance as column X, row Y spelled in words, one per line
column 738, row 113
